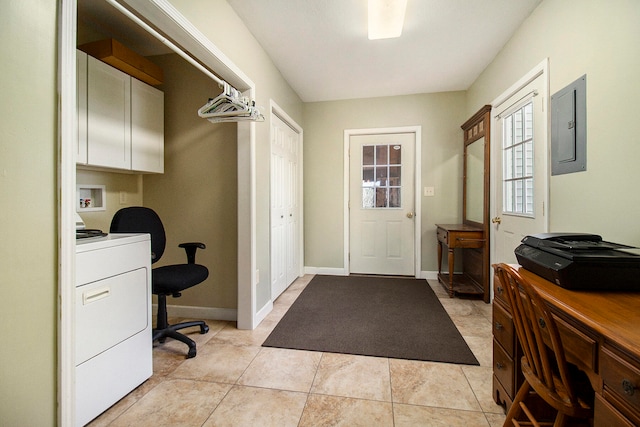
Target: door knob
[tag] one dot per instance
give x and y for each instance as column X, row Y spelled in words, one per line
column 410, row 215
column 496, row 220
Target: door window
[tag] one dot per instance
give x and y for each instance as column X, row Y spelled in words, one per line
column 517, row 152
column 381, row 176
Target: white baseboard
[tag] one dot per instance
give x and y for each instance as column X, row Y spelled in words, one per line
column 429, row 275
column 262, row 313
column 326, row 270
column 210, row 313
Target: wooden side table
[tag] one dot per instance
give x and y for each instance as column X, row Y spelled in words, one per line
column 466, row 237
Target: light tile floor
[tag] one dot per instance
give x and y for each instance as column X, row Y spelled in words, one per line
column 234, row 381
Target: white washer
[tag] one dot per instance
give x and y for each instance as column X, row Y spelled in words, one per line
column 113, row 320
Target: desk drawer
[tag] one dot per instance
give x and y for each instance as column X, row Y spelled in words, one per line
column 461, row 238
column 580, row 348
column 503, row 368
column 503, row 329
column 621, row 379
column 465, row 239
column 499, row 294
column 606, row 415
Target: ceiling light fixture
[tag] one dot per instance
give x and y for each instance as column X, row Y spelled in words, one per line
column 386, row 18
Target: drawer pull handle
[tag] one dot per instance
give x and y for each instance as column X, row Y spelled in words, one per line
column 95, row 295
column 628, row 388
column 500, row 290
column 499, row 326
column 542, row 323
column 499, row 365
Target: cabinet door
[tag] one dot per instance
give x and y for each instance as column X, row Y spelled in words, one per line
column 147, row 128
column 81, row 106
column 108, row 116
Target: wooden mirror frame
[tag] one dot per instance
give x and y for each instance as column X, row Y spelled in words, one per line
column 474, row 129
column 477, row 127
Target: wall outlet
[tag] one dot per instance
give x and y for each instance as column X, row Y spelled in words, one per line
column 123, row 197
column 429, row 191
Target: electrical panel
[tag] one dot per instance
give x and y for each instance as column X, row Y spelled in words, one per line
column 569, row 128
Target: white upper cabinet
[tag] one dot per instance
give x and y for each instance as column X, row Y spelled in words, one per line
column 124, row 120
column 108, row 116
column 147, row 128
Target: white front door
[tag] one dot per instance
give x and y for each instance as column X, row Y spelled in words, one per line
column 520, row 150
column 382, row 206
column 285, row 260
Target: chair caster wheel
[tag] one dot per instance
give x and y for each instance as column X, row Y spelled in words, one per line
column 191, row 353
column 204, row 329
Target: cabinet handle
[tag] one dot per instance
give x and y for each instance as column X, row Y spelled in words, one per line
column 500, row 290
column 499, row 365
column 628, row 388
column 542, row 323
column 499, row 326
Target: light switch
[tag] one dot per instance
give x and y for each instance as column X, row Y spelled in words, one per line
column 123, row 197
column 429, row 191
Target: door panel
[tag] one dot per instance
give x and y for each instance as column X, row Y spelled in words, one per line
column 381, row 214
column 521, row 189
column 285, row 262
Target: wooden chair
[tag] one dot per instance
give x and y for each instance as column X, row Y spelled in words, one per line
column 546, row 372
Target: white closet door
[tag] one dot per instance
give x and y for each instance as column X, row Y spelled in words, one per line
column 285, row 262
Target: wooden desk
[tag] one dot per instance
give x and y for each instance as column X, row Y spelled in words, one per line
column 601, row 335
column 463, row 236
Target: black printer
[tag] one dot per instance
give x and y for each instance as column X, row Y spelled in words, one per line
column 581, row 261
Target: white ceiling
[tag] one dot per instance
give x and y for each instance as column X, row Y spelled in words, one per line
column 322, row 50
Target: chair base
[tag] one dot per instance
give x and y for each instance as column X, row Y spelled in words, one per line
column 171, row 331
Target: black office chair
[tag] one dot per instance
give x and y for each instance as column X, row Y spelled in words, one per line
column 169, row 279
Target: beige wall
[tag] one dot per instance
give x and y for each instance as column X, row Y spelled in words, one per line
column 220, row 24
column 28, row 213
column 599, row 39
column 196, row 197
column 439, row 114
column 115, row 183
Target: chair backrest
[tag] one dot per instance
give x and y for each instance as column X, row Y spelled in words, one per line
column 138, row 219
column 531, row 317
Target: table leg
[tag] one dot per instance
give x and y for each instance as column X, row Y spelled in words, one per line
column 451, row 260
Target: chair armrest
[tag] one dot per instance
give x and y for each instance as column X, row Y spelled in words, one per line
column 190, row 249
